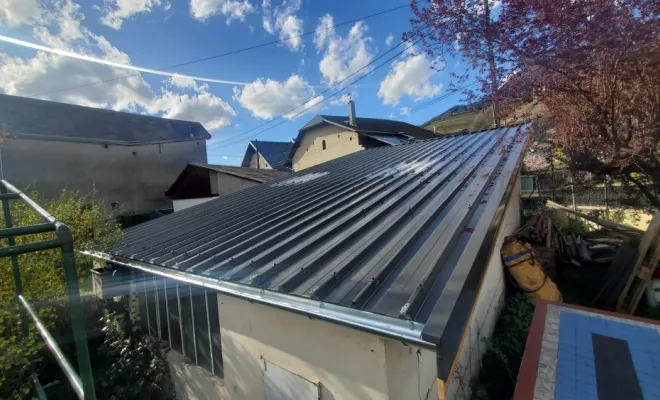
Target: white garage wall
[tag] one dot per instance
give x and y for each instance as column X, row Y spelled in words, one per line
column 182, row 204
column 349, row 364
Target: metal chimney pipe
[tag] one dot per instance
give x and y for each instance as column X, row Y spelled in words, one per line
column 351, row 112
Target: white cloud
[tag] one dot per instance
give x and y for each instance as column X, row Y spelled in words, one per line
column 267, row 98
column 211, row 111
column 183, row 82
column 312, row 105
column 115, row 11
column 410, row 76
column 343, row 99
column 15, row 13
column 405, row 111
column 232, row 9
column 343, row 56
column 389, row 40
column 324, row 31
column 282, row 20
column 44, row 75
column 60, row 25
column 225, row 158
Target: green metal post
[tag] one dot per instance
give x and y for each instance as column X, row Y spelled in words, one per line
column 11, row 242
column 75, row 308
column 39, row 391
column 14, row 258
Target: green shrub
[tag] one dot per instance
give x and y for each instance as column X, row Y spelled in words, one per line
column 501, row 360
column 93, row 226
column 129, row 365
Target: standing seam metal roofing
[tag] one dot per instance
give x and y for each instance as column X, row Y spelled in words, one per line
column 392, row 230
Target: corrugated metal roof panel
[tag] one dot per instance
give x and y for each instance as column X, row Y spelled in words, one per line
column 383, row 230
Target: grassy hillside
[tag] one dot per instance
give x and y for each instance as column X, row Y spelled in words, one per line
column 474, row 117
column 453, row 123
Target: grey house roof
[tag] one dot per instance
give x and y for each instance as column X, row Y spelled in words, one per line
column 194, row 180
column 397, row 232
column 252, row 174
column 42, row 119
column 275, row 153
column 372, row 125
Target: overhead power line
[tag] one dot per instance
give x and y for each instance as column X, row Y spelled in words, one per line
column 111, row 63
column 307, row 108
column 199, row 60
column 413, row 111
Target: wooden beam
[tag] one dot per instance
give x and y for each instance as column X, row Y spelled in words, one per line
column 625, row 229
column 648, row 239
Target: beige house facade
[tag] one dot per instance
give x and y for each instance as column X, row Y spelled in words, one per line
column 323, row 144
column 327, row 137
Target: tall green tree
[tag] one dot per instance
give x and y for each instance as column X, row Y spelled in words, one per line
column 94, row 226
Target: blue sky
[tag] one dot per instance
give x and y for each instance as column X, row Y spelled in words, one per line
column 277, row 78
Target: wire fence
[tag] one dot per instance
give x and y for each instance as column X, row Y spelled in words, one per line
column 598, row 196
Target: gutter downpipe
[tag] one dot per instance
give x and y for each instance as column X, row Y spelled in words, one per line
column 381, row 325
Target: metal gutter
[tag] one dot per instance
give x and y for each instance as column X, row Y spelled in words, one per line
column 393, row 328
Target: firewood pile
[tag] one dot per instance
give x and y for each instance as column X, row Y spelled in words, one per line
column 540, row 230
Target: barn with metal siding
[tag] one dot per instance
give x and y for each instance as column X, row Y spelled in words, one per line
column 383, row 247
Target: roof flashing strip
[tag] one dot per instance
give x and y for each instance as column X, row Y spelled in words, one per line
column 382, row 325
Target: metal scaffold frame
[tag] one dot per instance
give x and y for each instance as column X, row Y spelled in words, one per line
column 82, row 382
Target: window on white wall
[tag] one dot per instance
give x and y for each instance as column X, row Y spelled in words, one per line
column 323, row 144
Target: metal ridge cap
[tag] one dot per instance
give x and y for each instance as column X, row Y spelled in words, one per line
column 382, row 325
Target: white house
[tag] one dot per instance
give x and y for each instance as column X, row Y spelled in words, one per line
column 371, row 276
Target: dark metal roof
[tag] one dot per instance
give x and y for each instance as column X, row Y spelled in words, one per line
column 372, row 125
column 253, row 174
column 194, row 182
column 395, row 230
column 58, row 121
column 275, row 153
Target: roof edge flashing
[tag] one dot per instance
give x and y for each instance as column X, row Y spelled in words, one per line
column 381, row 325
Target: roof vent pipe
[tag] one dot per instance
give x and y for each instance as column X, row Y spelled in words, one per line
column 351, row 112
